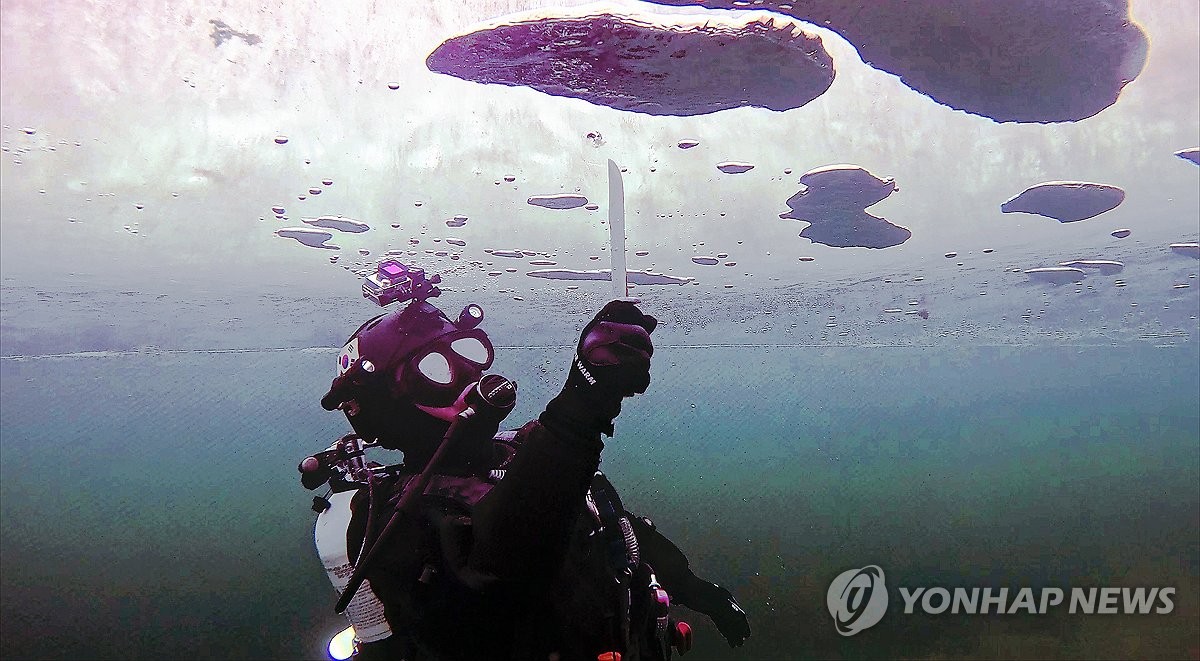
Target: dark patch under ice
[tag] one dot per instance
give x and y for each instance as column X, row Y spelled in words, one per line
column 1065, row 201
column 845, row 186
column 1012, row 61
column 338, row 223
column 1104, row 266
column 560, row 201
column 1058, row 275
column 222, row 32
column 637, row 64
column 1122, row 233
column 309, row 237
column 833, row 202
column 1192, row 154
column 634, row 277
column 1189, row 249
column 734, row 167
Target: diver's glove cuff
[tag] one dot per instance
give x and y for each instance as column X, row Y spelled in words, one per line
column 574, row 413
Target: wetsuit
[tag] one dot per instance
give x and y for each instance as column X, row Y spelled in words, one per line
column 528, row 566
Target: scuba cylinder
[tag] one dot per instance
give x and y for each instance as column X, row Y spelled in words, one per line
column 365, row 610
column 344, row 469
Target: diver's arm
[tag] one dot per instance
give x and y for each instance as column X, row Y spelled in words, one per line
column 523, row 525
column 673, row 572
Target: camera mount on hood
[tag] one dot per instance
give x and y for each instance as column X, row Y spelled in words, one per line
column 394, row 282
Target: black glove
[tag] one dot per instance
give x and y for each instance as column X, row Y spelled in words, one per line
column 612, row 361
column 730, row 620
column 613, row 356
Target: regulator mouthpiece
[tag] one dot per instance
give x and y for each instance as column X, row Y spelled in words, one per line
column 493, row 398
column 496, row 391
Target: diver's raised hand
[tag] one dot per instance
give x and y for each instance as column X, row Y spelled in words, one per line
column 612, row 360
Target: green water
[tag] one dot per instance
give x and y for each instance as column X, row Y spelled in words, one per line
column 150, row 506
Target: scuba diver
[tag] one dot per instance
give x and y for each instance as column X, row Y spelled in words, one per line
column 486, row 544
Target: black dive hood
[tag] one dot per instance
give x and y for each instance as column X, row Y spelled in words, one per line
column 371, row 363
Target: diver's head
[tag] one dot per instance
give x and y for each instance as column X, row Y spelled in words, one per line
column 402, row 376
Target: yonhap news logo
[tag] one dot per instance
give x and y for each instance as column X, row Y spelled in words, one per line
column 858, row 599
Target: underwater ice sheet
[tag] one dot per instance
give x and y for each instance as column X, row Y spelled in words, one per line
column 928, row 407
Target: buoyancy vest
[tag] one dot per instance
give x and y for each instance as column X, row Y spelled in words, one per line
column 603, row 599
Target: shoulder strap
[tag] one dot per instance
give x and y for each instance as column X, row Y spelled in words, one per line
column 467, row 490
